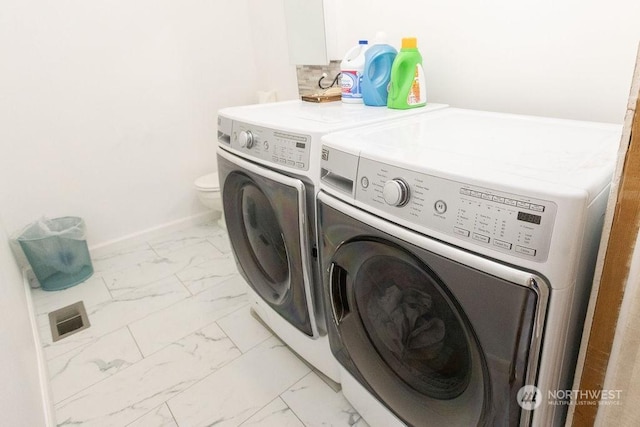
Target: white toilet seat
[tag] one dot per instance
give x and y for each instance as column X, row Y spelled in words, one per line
column 208, row 182
column 208, row 190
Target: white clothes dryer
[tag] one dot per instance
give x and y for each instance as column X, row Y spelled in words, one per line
column 457, row 251
column 269, row 166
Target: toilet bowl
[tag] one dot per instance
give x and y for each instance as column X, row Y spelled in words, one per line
column 208, row 188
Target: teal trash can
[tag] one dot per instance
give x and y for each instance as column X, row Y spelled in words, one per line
column 57, row 252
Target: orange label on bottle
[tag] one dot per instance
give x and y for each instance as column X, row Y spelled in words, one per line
column 416, row 92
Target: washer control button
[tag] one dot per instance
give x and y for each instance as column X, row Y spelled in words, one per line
column 440, row 206
column 480, row 238
column 396, row 192
column 525, row 251
column 364, row 182
column 461, row 231
column 502, row 244
column 246, row 139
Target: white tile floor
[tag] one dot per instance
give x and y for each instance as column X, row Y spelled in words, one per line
column 172, row 343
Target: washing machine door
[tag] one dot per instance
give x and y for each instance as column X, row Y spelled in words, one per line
column 433, row 337
column 388, row 304
column 265, row 215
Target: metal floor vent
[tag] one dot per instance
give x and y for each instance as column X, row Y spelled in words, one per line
column 68, row 320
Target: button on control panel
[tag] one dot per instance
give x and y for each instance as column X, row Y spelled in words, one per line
column 286, row 149
column 440, row 206
column 499, row 220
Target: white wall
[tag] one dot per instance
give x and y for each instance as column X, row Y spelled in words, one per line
column 108, row 112
column 269, row 37
column 109, row 107
column 21, row 401
column 570, row 58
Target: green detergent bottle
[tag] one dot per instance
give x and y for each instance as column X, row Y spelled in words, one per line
column 407, row 85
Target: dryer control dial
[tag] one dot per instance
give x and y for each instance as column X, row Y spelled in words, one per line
column 246, row 139
column 396, row 192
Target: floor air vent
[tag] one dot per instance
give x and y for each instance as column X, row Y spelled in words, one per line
column 68, row 320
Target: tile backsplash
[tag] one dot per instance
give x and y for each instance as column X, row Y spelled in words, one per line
column 308, row 76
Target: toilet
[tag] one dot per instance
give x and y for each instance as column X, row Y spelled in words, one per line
column 208, row 188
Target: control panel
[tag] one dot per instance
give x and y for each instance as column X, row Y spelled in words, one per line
column 505, row 222
column 274, row 146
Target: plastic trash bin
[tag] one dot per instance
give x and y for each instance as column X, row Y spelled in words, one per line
column 57, row 252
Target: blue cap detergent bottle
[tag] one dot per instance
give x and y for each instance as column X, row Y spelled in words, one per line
column 378, row 60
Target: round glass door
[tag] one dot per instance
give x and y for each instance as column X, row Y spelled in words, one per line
column 265, row 239
column 409, row 318
column 257, row 235
column 413, row 327
column 264, row 213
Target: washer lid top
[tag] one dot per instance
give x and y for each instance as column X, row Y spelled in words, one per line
column 492, row 148
column 304, row 117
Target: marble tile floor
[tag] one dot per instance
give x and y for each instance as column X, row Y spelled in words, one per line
column 172, row 343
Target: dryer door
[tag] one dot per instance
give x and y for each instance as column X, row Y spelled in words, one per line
column 414, row 325
column 439, row 335
column 407, row 335
column 265, row 213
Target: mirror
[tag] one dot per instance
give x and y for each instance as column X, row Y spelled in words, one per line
column 306, row 22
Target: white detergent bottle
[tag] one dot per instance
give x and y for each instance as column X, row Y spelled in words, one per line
column 351, row 69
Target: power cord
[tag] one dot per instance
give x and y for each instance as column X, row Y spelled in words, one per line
column 333, row 83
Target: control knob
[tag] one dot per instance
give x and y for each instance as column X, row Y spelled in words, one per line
column 396, row 192
column 246, row 139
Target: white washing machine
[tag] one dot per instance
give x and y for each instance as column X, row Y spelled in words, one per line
column 269, row 166
column 457, row 251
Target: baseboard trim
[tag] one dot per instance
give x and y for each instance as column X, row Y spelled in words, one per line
column 150, row 233
column 43, row 373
